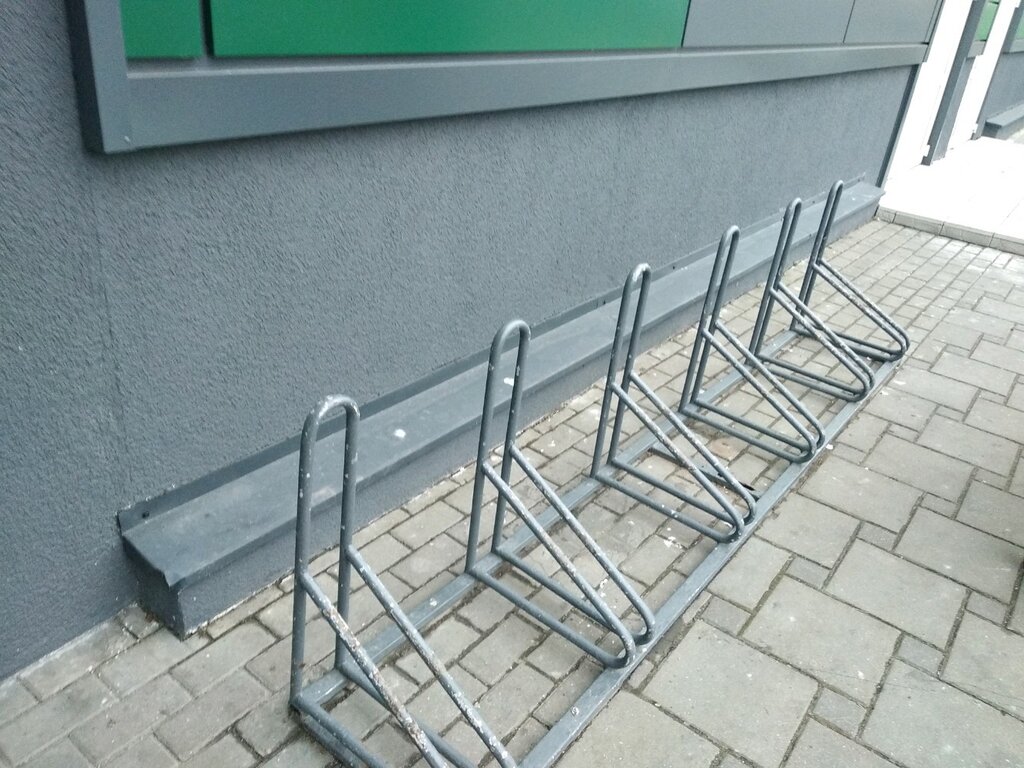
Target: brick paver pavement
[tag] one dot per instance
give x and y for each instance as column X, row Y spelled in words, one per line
column 875, row 619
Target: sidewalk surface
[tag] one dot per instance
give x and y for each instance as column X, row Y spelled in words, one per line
column 975, row 193
column 875, row 619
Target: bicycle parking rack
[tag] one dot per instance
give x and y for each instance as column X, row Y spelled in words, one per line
column 817, row 267
column 357, row 664
column 701, row 404
column 607, row 464
column 852, row 353
column 595, row 608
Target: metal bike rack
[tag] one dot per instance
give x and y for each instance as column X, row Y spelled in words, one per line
column 701, row 404
column 818, row 267
column 607, row 464
column 357, row 664
column 352, row 662
column 777, row 294
column 595, row 607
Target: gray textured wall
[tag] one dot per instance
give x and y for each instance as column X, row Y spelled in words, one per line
column 166, row 313
column 1007, row 89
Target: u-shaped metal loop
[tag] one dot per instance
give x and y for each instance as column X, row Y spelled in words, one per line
column 818, row 266
column 777, row 294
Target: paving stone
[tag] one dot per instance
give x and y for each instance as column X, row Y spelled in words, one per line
column 920, row 467
column 944, row 507
column 146, row 752
column 923, row 723
column 969, row 444
column 117, row 725
column 937, row 389
column 809, row 529
column 498, row 652
column 202, row 720
column 631, row 733
column 303, row 753
column 997, row 419
column 147, row 659
column 516, row 695
column 878, row 536
column 273, row 666
column 383, row 552
column 808, row 572
column 14, row 699
column 435, row 706
column 565, row 694
column 224, row 624
column 361, row 713
column 268, row 726
column 138, row 621
column 226, row 753
column 818, row 747
column 863, row 432
column 750, row 573
column 839, row 645
column 862, row 493
column 61, row 755
column 986, row 324
column 733, row 693
column 901, row 593
column 994, row 511
column 448, row 640
column 1017, row 483
column 731, row 761
column 426, row 524
column 920, row 654
column 1016, row 622
column 526, row 737
column 988, row 662
column 841, row 713
column 726, row 616
column 987, row 608
column 429, row 560
column 897, row 406
column 1001, row 310
column 555, row 656
column 957, row 335
column 222, row 657
column 36, row 728
column 1001, row 356
column 651, row 559
column 975, row 373
column 971, row 557
column 77, row 658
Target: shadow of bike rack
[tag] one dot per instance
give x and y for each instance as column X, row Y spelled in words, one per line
column 358, row 664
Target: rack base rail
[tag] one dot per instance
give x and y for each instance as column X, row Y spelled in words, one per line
column 359, row 664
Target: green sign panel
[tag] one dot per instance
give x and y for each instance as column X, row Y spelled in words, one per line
column 162, row 29
column 397, row 27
